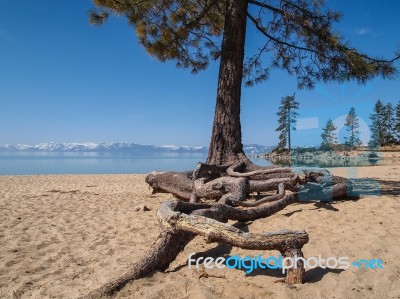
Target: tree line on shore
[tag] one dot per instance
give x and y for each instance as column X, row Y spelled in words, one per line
column 384, row 127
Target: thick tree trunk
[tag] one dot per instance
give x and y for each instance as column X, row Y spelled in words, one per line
column 226, row 139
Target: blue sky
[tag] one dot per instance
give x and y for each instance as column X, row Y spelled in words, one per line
column 63, row 80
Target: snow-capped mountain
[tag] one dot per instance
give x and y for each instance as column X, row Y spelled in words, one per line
column 256, row 149
column 252, row 149
column 101, row 147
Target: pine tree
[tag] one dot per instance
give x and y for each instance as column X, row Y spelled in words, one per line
column 374, row 141
column 397, row 122
column 389, row 127
column 377, row 126
column 329, row 137
column 352, row 127
column 378, row 110
column 287, row 120
column 296, row 36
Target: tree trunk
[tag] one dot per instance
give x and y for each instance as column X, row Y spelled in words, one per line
column 226, row 139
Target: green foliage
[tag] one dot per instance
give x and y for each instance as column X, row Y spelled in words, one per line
column 352, row 127
column 374, row 141
column 97, row 18
column 303, row 150
column 298, row 37
column 397, row 122
column 377, row 128
column 385, row 125
column 280, row 151
column 329, row 137
column 188, row 32
column 325, row 147
column 287, row 120
column 341, row 147
column 389, row 126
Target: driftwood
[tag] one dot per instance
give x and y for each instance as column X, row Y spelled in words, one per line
column 228, row 187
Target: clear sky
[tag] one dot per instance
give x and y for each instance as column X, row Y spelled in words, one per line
column 63, row 80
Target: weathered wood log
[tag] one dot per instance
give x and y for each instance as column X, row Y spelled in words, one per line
column 272, row 184
column 289, row 243
column 180, row 184
column 230, row 189
column 223, row 212
column 295, row 273
column 172, row 219
column 280, row 195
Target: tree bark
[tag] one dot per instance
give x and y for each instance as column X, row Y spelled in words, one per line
column 226, row 139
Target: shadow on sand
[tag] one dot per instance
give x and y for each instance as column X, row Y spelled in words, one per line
column 361, row 187
column 373, row 187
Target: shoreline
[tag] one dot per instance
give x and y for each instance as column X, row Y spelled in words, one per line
column 336, row 158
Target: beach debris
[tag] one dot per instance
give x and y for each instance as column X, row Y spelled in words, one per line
column 14, row 295
column 141, row 208
column 204, row 274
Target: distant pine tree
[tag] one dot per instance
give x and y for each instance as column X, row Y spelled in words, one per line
column 352, row 125
column 377, row 125
column 385, row 124
column 287, row 120
column 329, row 137
column 397, row 122
column 374, row 141
column 389, row 126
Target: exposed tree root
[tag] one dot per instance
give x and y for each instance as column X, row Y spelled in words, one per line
column 182, row 221
column 280, row 195
column 233, row 170
column 167, row 246
column 228, row 186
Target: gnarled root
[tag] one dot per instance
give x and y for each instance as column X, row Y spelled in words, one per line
column 182, row 221
column 280, row 195
column 227, row 185
column 289, row 243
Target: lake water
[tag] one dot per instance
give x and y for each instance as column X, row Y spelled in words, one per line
column 21, row 163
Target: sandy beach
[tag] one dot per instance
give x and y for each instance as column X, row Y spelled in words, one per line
column 63, row 236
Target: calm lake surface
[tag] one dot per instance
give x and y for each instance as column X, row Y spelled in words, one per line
column 21, row 163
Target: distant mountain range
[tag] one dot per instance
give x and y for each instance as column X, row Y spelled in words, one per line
column 256, row 149
column 251, row 149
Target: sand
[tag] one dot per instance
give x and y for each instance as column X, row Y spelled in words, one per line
column 62, row 236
